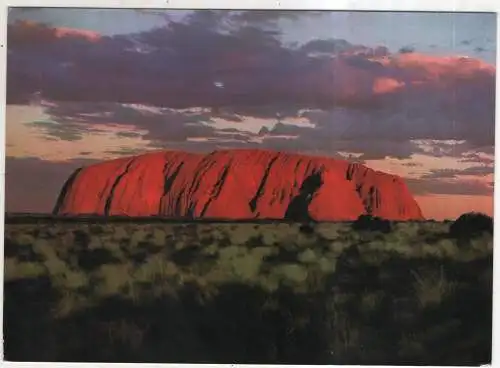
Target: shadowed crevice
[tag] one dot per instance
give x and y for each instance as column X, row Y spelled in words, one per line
column 368, row 204
column 262, row 185
column 169, row 181
column 217, row 188
column 109, row 200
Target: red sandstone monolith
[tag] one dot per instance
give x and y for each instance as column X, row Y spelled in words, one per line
column 235, row 184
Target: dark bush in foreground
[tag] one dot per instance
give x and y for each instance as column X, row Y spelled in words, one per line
column 471, row 224
column 371, row 223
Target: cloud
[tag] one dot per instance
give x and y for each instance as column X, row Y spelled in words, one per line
column 356, row 99
column 66, row 132
column 406, row 49
column 330, row 46
column 162, row 67
column 72, row 120
column 453, row 173
column 32, row 185
column 266, row 16
column 449, row 187
column 24, row 33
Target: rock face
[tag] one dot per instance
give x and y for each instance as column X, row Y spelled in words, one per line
column 236, row 184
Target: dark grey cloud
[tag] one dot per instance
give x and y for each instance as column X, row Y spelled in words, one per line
column 32, row 184
column 125, row 151
column 438, row 186
column 477, row 157
column 335, row 137
column 333, row 130
column 330, row 46
column 128, row 134
column 271, row 16
column 68, row 131
column 406, row 49
column 73, row 120
column 412, row 164
column 453, row 173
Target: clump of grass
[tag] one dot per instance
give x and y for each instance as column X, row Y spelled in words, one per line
column 291, row 273
column 95, row 243
column 69, row 303
column 328, row 231
column 138, row 236
column 269, row 238
column 448, row 248
column 246, row 267
column 120, row 233
column 240, row 263
column 159, row 237
column 72, row 280
column 241, row 234
column 112, row 278
column 25, row 239
column 432, row 288
column 55, row 266
column 343, row 335
column 155, row 267
column 370, row 301
column 483, row 244
column 20, row 270
column 262, row 252
column 327, row 264
column 428, row 250
column 307, row 256
column 231, row 252
column 126, row 333
column 270, row 282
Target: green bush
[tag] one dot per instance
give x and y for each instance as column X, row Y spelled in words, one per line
column 470, row 225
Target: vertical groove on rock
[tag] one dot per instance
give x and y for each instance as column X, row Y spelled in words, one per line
column 217, row 188
column 109, row 200
column 64, row 191
column 262, row 185
column 201, row 171
column 350, row 171
column 168, row 182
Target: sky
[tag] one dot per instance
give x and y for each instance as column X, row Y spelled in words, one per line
column 412, row 94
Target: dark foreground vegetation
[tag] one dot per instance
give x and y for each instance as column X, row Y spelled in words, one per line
column 370, row 292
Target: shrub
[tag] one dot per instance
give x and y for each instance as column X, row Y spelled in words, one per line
column 471, row 224
column 432, row 288
column 371, row 223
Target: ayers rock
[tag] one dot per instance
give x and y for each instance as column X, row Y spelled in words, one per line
column 236, row 184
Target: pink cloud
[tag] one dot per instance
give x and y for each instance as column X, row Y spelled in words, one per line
column 32, row 33
column 386, row 85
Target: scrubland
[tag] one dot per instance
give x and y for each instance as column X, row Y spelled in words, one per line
column 247, row 293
